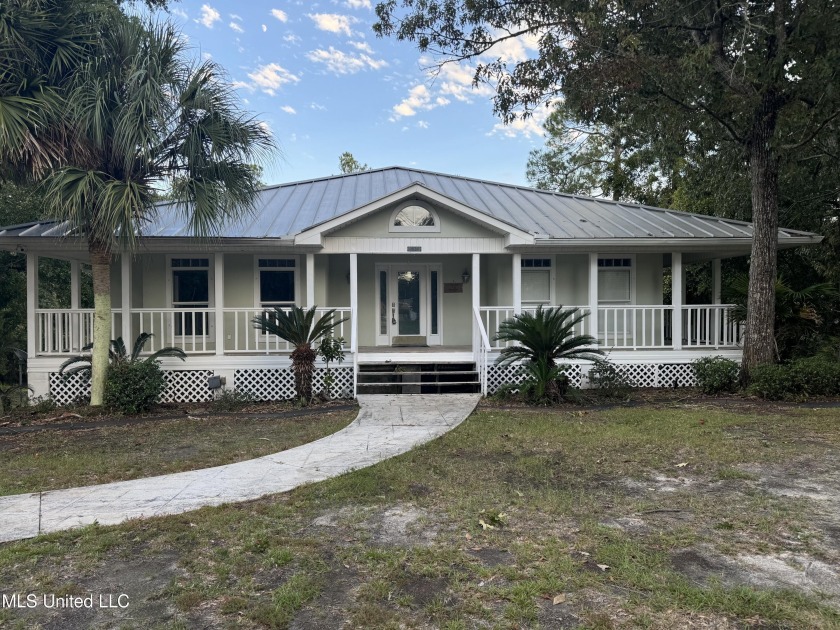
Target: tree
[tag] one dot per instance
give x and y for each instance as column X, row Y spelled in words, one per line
column 142, row 115
column 300, row 329
column 348, row 164
column 761, row 76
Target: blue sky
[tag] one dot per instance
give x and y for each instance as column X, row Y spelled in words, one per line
column 324, row 83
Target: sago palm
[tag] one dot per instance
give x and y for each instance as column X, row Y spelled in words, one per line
column 546, row 336
column 300, row 328
column 145, row 118
column 118, row 354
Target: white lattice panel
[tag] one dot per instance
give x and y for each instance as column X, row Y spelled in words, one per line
column 639, row 374
column 497, row 376
column 186, row 386
column 69, row 390
column 279, row 383
column 677, row 375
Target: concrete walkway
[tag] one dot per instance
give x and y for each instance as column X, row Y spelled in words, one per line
column 386, row 426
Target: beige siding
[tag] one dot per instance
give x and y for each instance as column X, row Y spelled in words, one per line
column 451, row 226
column 572, row 277
column 649, row 279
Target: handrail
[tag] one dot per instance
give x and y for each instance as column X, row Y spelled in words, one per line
column 481, row 348
column 484, row 338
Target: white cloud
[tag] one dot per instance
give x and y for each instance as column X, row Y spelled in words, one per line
column 288, row 109
column 317, row 106
column 271, row 77
column 358, row 4
column 242, row 85
column 363, row 46
column 264, row 28
column 339, row 62
column 234, row 16
column 418, row 98
column 423, row 124
column 236, row 27
column 532, row 126
column 209, row 16
column 180, row 13
column 333, row 22
column 206, row 56
column 280, row 15
column 291, row 38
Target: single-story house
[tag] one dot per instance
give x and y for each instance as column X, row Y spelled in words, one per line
column 423, row 265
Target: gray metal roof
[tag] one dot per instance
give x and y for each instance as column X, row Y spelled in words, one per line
column 284, row 210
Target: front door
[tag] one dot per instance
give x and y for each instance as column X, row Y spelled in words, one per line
column 409, row 304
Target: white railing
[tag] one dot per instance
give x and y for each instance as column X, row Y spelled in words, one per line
column 710, row 326
column 65, row 331
column 481, row 347
column 492, row 316
column 635, row 327
column 242, row 337
column 192, row 330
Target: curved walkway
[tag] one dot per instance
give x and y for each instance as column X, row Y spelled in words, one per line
column 386, row 426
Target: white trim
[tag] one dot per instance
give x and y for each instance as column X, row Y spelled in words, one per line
column 716, row 281
column 676, row 299
column 125, row 290
column 390, row 268
column 211, row 286
column 593, row 294
column 476, row 300
column 354, row 304
column 414, row 228
column 516, row 282
column 514, row 235
column 219, row 302
column 31, row 305
column 310, row 280
column 299, row 298
column 552, row 280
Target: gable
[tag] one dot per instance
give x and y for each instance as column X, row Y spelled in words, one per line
column 378, row 225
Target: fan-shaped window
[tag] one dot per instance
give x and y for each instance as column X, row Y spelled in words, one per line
column 414, row 216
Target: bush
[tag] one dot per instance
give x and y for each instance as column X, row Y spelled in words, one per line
column 716, row 374
column 606, row 377
column 798, row 380
column 133, row 387
column 233, row 400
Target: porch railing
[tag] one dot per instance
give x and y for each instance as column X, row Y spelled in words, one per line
column 66, row 331
column 481, row 348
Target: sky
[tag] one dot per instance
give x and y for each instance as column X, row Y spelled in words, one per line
column 324, row 84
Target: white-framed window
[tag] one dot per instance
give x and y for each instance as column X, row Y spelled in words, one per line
column 191, row 289
column 276, row 281
column 537, row 280
column 616, row 279
column 414, row 216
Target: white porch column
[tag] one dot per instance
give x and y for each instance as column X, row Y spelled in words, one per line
column 716, row 281
column 125, row 288
column 75, row 317
column 677, row 299
column 593, row 294
column 31, row 304
column 354, row 302
column 310, row 280
column 219, row 301
column 517, row 283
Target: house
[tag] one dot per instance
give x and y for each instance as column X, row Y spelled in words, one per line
column 423, row 265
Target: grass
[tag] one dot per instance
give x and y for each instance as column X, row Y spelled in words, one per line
column 558, row 492
column 51, row 459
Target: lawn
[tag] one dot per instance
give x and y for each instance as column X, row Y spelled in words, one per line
column 56, row 458
column 660, row 516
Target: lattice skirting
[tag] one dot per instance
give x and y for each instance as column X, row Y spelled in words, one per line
column 639, row 375
column 181, row 386
column 279, row 383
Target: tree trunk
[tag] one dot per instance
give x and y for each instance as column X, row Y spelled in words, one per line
column 101, row 270
column 761, row 299
column 303, row 363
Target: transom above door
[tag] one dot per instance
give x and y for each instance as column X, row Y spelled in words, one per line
column 408, row 304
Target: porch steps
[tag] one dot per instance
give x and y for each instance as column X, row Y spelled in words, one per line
column 418, row 378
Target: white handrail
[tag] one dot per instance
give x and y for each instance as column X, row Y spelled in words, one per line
column 481, row 348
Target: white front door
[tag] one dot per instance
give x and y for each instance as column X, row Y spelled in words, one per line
column 408, row 304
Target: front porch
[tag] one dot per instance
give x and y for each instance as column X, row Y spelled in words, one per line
column 416, row 309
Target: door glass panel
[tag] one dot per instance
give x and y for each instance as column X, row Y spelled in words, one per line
column 433, row 281
column 383, row 303
column 408, row 302
column 190, row 289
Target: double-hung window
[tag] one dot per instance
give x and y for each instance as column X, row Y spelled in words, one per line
column 191, row 291
column 536, row 281
column 277, row 281
column 615, row 280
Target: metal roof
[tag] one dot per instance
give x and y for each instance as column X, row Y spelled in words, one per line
column 284, row 210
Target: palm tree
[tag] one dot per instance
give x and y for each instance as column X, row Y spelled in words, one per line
column 118, row 354
column 300, row 329
column 542, row 340
column 144, row 118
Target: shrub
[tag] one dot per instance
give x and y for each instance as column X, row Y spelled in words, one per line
column 606, row 377
column 133, row 387
column 233, row 400
column 798, row 380
column 716, row 374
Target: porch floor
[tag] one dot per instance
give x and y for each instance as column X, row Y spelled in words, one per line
column 430, row 354
column 412, row 349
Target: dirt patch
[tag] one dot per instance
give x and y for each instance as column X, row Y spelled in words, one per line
column 491, row 557
column 330, row 609
column 401, row 525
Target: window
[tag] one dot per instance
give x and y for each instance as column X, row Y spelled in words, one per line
column 414, row 216
column 191, row 291
column 276, row 281
column 536, row 281
column 615, row 280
